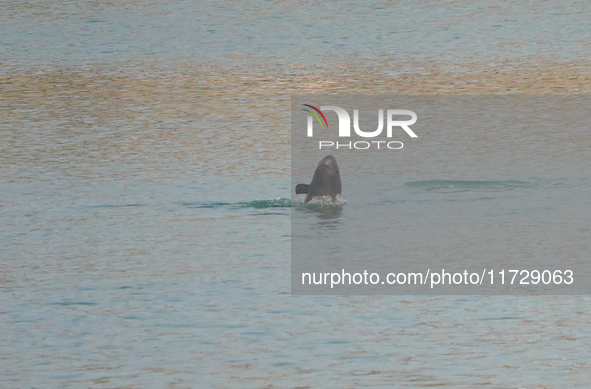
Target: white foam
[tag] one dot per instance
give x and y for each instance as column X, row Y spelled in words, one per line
column 328, row 200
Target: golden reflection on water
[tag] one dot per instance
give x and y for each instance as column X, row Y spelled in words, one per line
column 162, row 119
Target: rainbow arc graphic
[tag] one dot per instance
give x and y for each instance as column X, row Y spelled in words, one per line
column 316, row 116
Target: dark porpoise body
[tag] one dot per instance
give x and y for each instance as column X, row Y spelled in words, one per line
column 326, row 180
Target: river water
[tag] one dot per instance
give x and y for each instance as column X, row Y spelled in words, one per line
column 145, row 195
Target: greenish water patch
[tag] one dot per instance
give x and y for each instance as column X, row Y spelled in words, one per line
column 258, row 204
column 277, row 203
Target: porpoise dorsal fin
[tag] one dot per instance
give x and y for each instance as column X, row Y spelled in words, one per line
column 302, row 188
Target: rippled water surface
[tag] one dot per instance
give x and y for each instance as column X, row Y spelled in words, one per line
column 292, row 32
column 145, row 217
